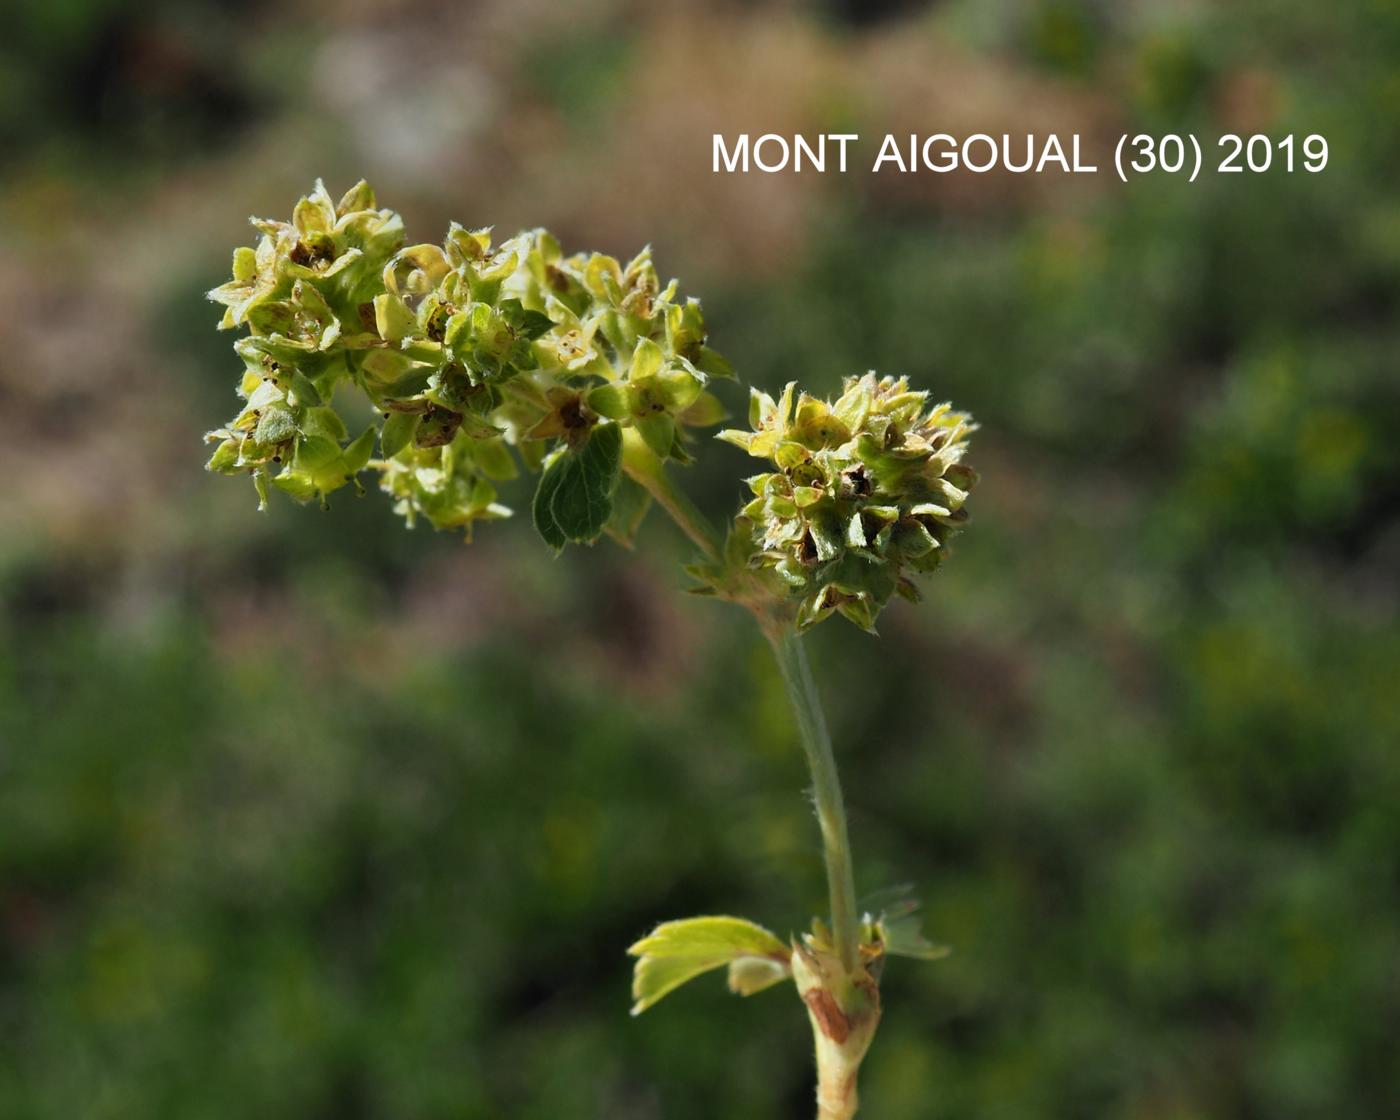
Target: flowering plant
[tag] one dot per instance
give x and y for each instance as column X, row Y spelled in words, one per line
column 479, row 359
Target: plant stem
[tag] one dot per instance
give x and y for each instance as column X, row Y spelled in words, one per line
column 826, row 787
column 842, row 998
column 644, row 467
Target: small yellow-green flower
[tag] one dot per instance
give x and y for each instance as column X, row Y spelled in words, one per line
column 338, row 247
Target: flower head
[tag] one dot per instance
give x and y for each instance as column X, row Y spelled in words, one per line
column 471, row 352
column 865, row 493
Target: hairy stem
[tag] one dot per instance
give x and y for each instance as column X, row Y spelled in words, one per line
column 826, row 787
column 842, row 998
column 645, row 468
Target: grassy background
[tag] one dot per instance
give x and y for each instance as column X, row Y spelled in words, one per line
column 305, row 816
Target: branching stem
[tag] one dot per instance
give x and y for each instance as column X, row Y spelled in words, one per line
column 644, row 468
column 842, row 999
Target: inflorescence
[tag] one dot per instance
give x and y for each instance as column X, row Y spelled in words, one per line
column 476, row 358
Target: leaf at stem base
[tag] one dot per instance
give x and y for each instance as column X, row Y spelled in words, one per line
column 678, row 951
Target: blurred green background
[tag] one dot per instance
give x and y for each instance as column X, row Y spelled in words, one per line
column 306, row 816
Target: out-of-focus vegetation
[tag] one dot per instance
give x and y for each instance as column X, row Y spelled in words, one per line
column 306, row 816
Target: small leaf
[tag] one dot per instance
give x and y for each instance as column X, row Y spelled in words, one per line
column 542, row 508
column 762, row 409
column 675, row 952
column 899, row 928
column 525, row 324
column 310, row 217
column 903, row 938
column 680, row 387
column 583, row 501
column 575, row 496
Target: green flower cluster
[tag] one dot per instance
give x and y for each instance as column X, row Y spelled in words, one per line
column 471, row 355
column 866, row 492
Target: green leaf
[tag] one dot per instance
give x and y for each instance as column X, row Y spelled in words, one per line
column 575, row 495
column 900, row 928
column 825, row 537
column 526, row 324
column 675, row 952
column 391, row 372
column 542, row 509
column 896, row 930
column 583, row 501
